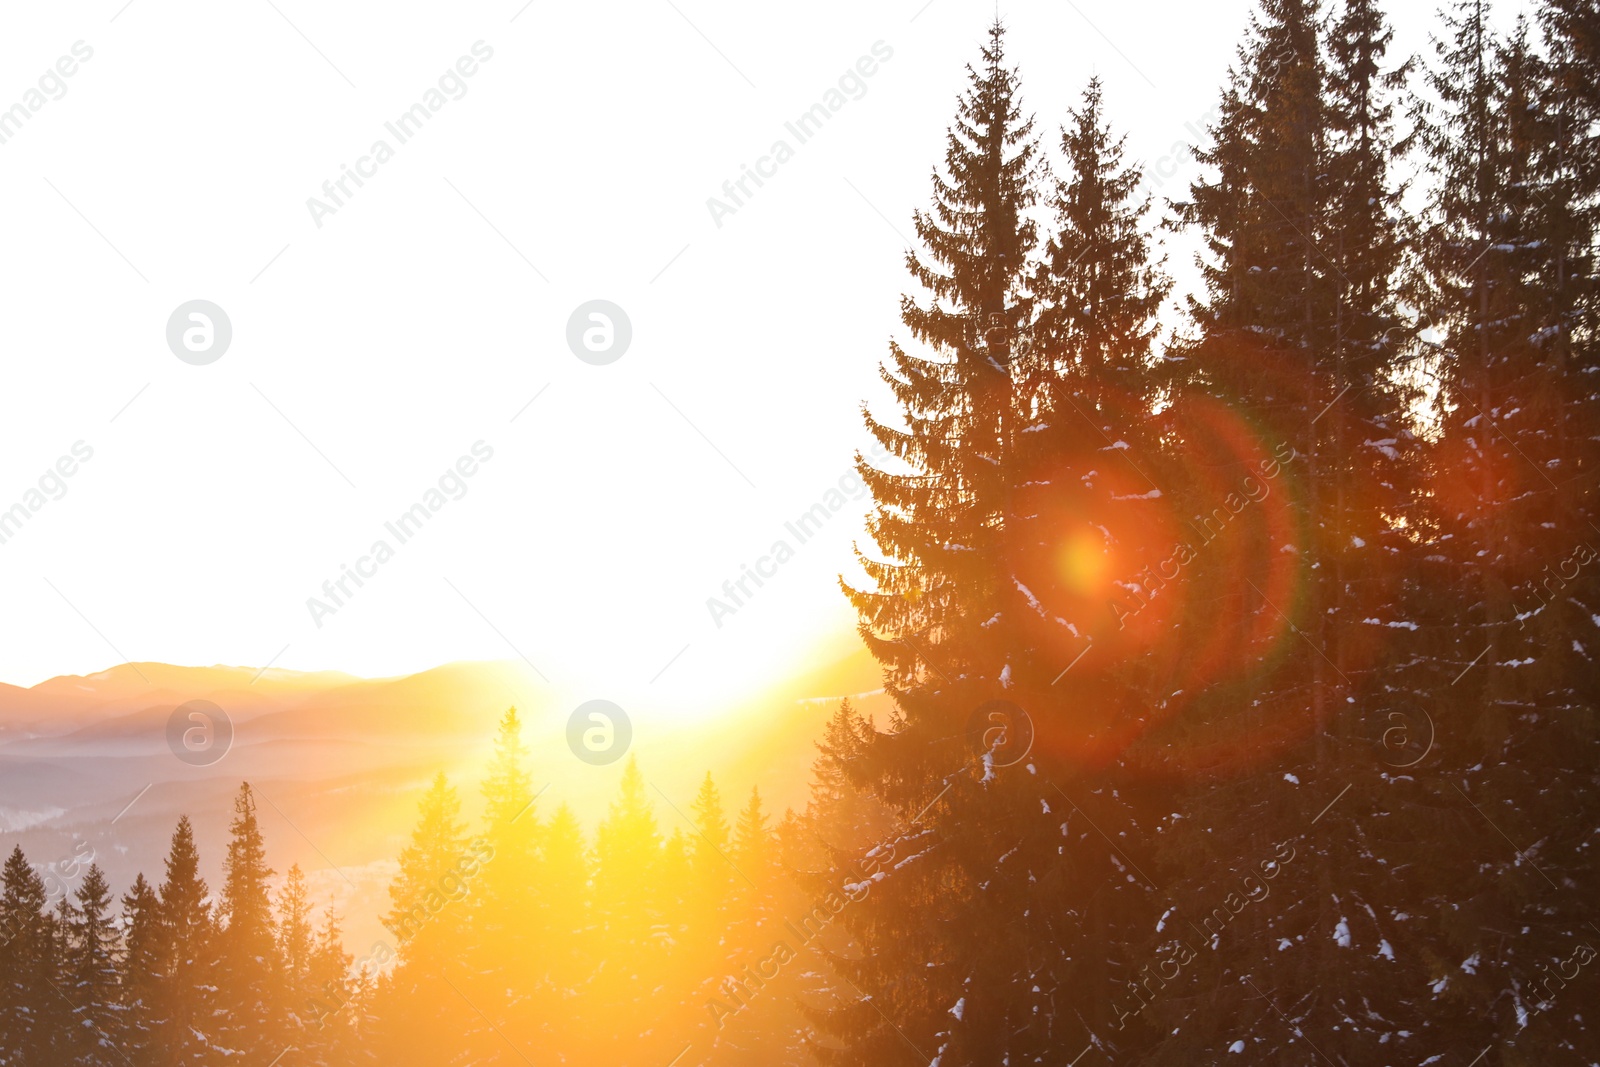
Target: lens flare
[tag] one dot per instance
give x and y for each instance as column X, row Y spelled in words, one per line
column 1084, row 562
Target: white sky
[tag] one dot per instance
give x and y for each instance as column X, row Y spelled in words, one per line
column 407, row 328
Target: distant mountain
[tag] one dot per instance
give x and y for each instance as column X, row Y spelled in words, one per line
column 456, row 699
column 67, row 703
column 339, row 761
column 129, row 705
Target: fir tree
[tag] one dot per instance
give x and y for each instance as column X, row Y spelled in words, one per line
column 329, row 1032
column 27, row 966
column 949, row 613
column 426, row 884
column 248, row 1012
column 627, row 853
column 631, row 908
column 943, row 521
column 1098, row 288
column 185, row 992
column 752, row 840
column 842, row 817
column 709, row 853
column 1505, row 260
column 295, row 935
column 504, row 898
column 91, row 973
column 1091, row 491
column 142, row 963
column 567, row 936
column 426, row 1014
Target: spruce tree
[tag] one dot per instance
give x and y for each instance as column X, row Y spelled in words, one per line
column 951, row 615
column 1505, row 261
column 841, row 817
column 91, row 974
column 27, row 965
column 328, row 999
column 1091, row 499
column 942, row 521
column 425, row 1013
column 1097, row 286
column 709, row 854
column 752, row 840
column 141, row 968
column 1262, row 202
column 503, row 902
column 628, row 906
column 295, row 935
column 567, row 936
column 249, row 1019
column 183, row 1004
column 421, row 918
column 754, row 852
column 1292, row 496
column 627, row 853
column 300, row 1000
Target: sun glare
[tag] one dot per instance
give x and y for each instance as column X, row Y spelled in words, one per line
column 1084, row 562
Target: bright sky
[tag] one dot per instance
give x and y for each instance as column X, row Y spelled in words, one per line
column 429, row 312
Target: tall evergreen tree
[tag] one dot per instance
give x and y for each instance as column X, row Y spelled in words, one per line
column 248, row 1005
column 752, row 839
column 1295, row 489
column 1097, row 286
column 295, row 934
column 503, row 899
column 330, row 1035
column 142, row 966
column 568, row 939
column 1091, row 496
column 185, row 994
column 941, row 910
column 91, row 974
column 709, row 853
column 842, row 816
column 249, row 1018
column 1261, row 206
column 943, row 521
column 27, row 966
column 632, row 941
column 302, row 1003
column 427, row 1017
column 627, row 852
column 1505, row 259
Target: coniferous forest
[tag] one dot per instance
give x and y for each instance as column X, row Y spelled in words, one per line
column 1244, row 667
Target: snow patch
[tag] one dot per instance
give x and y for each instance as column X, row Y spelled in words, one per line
column 15, row 820
column 1033, row 601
